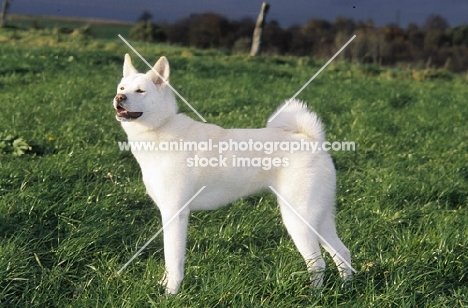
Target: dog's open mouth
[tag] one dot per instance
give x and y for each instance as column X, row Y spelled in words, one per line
column 124, row 113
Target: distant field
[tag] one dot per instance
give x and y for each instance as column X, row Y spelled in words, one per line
column 101, row 29
column 74, row 209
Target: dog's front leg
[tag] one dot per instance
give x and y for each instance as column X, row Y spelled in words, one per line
column 175, row 236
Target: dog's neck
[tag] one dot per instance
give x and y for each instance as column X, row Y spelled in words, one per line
column 176, row 127
column 134, row 130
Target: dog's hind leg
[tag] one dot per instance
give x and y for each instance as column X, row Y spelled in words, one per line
column 335, row 247
column 305, row 239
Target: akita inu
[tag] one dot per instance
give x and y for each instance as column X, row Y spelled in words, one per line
column 146, row 107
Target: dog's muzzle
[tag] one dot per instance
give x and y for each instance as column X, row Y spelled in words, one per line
column 122, row 113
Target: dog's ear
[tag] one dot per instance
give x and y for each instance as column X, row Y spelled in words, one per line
column 128, row 68
column 162, row 69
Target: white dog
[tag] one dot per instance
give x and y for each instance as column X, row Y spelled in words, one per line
column 304, row 181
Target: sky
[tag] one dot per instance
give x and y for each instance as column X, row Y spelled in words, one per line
column 285, row 12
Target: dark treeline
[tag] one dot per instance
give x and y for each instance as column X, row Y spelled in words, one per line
column 432, row 44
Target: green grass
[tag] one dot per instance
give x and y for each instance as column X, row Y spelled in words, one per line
column 75, row 210
column 99, row 29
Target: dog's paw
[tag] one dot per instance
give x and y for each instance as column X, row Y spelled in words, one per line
column 316, row 278
column 347, row 283
column 170, row 289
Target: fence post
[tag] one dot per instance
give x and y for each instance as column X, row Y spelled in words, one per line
column 257, row 35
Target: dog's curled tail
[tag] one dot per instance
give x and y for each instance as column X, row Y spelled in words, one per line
column 296, row 118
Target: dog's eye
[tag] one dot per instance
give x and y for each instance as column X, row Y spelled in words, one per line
column 122, row 88
column 140, row 91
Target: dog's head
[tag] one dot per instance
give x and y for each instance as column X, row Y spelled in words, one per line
column 144, row 97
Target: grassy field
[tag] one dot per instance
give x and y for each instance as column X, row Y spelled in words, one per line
column 73, row 209
column 100, row 29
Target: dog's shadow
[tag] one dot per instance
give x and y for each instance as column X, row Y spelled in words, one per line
column 245, row 225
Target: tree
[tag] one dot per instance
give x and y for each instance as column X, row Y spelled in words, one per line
column 412, row 27
column 344, row 25
column 435, row 22
column 416, row 42
column 145, row 16
column 275, row 39
column 460, row 35
column 178, row 32
column 436, row 38
column 320, row 36
column 208, row 30
column 239, row 32
column 147, row 31
column 298, row 44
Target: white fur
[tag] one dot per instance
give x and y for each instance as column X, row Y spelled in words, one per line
column 307, row 183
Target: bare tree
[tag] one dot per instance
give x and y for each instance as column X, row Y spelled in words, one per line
column 257, row 35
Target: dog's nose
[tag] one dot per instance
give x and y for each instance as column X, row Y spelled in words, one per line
column 120, row 97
